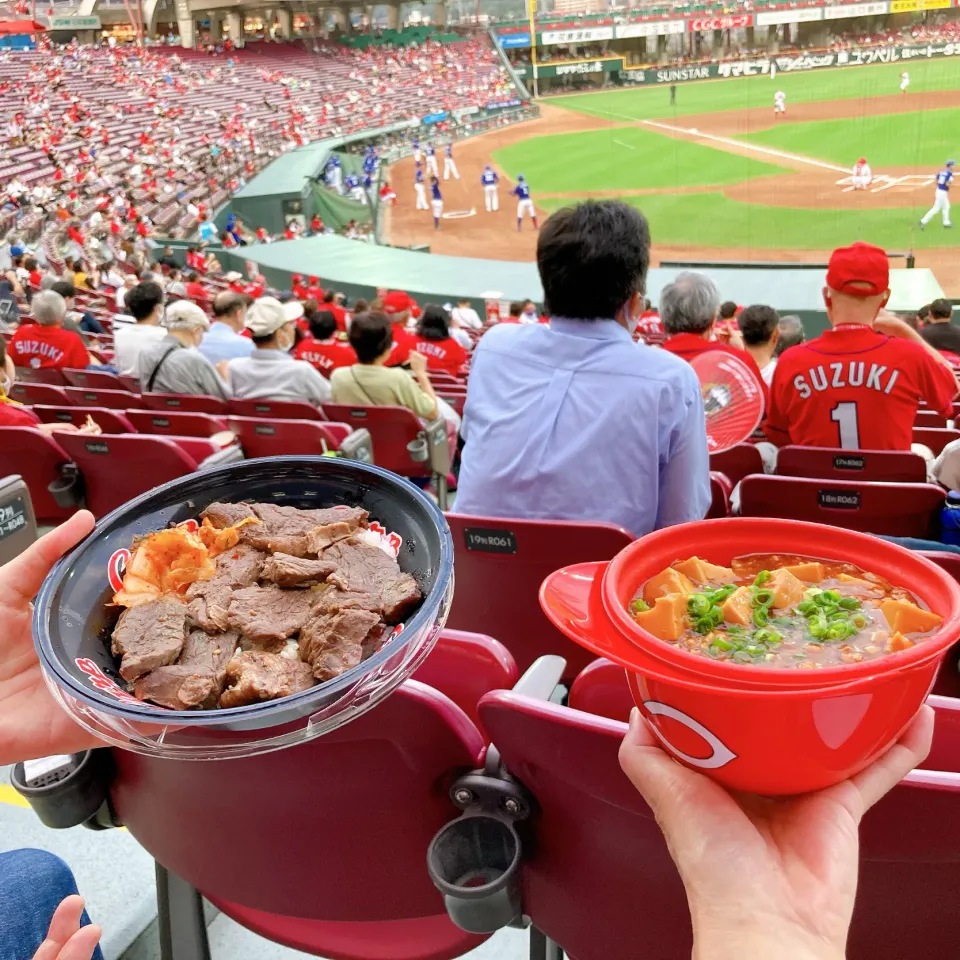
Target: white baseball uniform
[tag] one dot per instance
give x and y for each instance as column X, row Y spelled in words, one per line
column 436, row 207
column 432, row 162
column 862, row 176
column 773, row 70
column 779, row 102
column 491, row 195
column 421, row 192
column 904, row 81
column 449, row 166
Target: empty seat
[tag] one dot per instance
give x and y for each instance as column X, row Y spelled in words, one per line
column 114, row 399
column 40, row 393
column 94, row 379
column 893, row 466
column 261, row 438
column 894, row 509
column 720, row 490
column 51, row 375
column 184, row 402
column 935, row 439
column 737, row 462
column 175, row 423
column 601, row 689
column 277, row 409
column 109, row 421
column 929, row 418
column 39, row 459
column 500, row 566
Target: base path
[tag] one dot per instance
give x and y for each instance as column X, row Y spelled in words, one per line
column 813, row 183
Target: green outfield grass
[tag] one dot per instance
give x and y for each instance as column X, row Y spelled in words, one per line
column 925, row 138
column 713, row 96
column 623, row 158
column 713, row 220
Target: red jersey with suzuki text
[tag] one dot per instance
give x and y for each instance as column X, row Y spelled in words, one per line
column 856, row 389
column 446, row 355
column 36, row 346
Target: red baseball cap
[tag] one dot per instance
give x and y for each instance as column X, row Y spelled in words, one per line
column 296, row 278
column 860, row 270
column 396, row 301
column 313, row 281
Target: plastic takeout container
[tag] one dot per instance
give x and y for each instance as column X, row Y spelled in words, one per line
column 73, row 620
column 767, row 731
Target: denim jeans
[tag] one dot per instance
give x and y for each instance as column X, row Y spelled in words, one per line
column 32, row 884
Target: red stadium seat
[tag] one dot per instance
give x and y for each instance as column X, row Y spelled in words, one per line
column 171, row 423
column 184, row 403
column 277, row 409
column 893, row 466
column 894, row 509
column 130, row 383
column 260, row 438
column 737, row 462
column 114, row 399
column 38, row 459
column 935, row 439
column 109, row 421
column 94, row 379
column 500, row 565
column 118, row 467
column 52, row 375
column 601, row 689
column 929, row 418
column 720, row 490
column 40, row 393
column 910, row 843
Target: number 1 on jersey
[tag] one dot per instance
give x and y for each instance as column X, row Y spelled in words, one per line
column 845, row 414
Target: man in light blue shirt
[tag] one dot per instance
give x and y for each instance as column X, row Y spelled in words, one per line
column 223, row 340
column 575, row 421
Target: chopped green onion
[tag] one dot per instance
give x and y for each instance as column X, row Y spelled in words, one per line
column 763, row 597
column 832, row 596
column 807, row 607
column 698, row 604
column 722, row 644
column 818, row 628
column 762, row 577
column 849, row 603
column 859, row 621
column 639, row 606
column 760, row 617
column 839, row 631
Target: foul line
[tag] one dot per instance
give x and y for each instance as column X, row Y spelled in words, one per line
column 743, row 145
column 622, row 144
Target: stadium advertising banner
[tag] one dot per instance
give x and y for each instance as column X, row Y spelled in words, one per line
column 75, row 23
column 850, row 10
column 657, row 28
column 589, row 35
column 721, row 23
column 579, row 68
column 514, row 40
column 909, row 6
column 788, row 64
column 805, row 15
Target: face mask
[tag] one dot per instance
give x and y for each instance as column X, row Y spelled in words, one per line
column 529, row 316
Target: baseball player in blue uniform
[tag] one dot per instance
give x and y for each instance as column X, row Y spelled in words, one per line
column 448, row 165
column 432, row 169
column 416, row 149
column 491, row 195
column 524, row 204
column 335, row 175
column 941, row 198
column 436, row 202
column 420, row 189
column 353, row 185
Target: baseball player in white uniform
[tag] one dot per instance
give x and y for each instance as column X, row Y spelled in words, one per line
column 773, row 69
column 431, row 152
column 862, row 177
column 779, row 104
column 420, row 189
column 491, row 195
column 449, row 167
column 941, row 199
column 904, row 81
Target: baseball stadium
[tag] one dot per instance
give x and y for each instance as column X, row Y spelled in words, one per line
column 522, row 436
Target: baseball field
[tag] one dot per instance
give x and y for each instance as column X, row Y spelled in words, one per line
column 716, row 174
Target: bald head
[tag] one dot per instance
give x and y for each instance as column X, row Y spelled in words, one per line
column 844, row 308
column 230, row 308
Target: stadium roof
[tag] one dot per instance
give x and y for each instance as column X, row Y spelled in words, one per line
column 287, row 173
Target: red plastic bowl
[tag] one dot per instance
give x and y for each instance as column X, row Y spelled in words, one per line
column 768, row 731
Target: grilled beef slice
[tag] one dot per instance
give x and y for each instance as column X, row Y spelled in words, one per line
column 362, row 568
column 180, row 687
column 333, row 643
column 266, row 616
column 287, row 571
column 253, row 676
column 287, row 529
column 149, row 635
column 227, row 514
column 210, row 599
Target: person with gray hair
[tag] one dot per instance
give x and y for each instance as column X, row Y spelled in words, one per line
column 791, row 333
column 44, row 343
column 173, row 364
column 688, row 310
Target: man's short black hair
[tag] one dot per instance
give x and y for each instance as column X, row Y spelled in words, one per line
column 923, row 312
column 323, row 324
column 143, row 299
column 941, row 309
column 65, row 288
column 728, row 310
column 592, row 259
column 757, row 324
column 370, row 335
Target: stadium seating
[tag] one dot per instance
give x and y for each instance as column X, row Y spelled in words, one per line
column 857, row 465
column 935, row 439
column 720, row 490
column 184, row 403
column 895, row 509
column 260, row 438
column 276, row 409
column 51, row 375
column 601, row 689
column 45, row 393
column 500, row 565
column 40, row 460
column 112, row 399
column 93, row 379
column 109, row 421
column 176, row 424
column 737, row 462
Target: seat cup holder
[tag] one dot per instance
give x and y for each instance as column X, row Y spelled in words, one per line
column 418, row 450
column 475, row 863
column 67, row 490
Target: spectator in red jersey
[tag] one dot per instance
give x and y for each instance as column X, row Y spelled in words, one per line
column 195, row 289
column 44, row 343
column 313, row 290
column 858, row 385
column 433, row 340
column 397, row 306
column 760, row 328
column 34, row 271
column 333, row 302
column 688, row 311
column 298, row 289
column 649, row 324
column 326, row 348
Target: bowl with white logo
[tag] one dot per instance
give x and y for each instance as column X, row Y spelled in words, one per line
column 764, row 730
